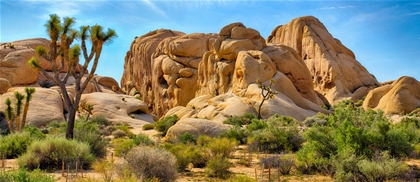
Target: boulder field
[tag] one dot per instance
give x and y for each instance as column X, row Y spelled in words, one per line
column 205, row 78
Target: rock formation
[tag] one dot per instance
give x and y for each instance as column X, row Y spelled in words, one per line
column 399, row 97
column 336, row 74
column 47, row 104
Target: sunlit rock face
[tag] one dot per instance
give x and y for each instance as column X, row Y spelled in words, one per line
column 336, row 74
column 400, row 97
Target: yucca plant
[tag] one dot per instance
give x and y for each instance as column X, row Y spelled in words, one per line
column 19, row 97
column 29, row 92
column 10, row 116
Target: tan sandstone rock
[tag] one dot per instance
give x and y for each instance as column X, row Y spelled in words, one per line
column 402, row 96
column 196, row 127
column 336, row 73
column 117, row 107
column 45, row 106
column 4, row 85
column 15, row 68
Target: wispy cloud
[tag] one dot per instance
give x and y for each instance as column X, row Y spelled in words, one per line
column 155, row 8
column 336, row 7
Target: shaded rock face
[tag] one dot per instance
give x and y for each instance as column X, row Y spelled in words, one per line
column 4, row 85
column 336, row 74
column 401, row 96
column 137, row 75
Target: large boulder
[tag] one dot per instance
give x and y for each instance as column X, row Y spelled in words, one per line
column 117, row 107
column 336, row 73
column 196, row 127
column 400, row 97
column 4, row 85
column 138, row 65
column 15, row 68
column 46, row 105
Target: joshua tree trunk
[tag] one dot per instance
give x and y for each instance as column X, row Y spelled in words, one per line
column 10, row 122
column 25, row 111
column 18, row 124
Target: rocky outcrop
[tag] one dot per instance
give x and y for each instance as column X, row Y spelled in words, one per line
column 336, row 73
column 399, row 97
column 117, row 107
column 46, row 105
column 196, row 127
column 137, row 75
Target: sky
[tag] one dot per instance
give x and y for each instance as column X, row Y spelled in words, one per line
column 384, row 35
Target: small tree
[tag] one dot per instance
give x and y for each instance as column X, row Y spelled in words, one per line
column 10, row 116
column 266, row 92
column 19, row 97
column 29, row 92
column 62, row 36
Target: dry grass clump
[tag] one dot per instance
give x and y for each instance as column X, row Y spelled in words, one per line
column 149, row 163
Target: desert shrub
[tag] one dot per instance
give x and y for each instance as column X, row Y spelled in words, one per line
column 186, row 138
column 88, row 132
column 238, row 133
column 49, row 154
column 221, row 146
column 382, row 168
column 143, row 140
column 122, row 146
column 34, row 132
column 105, row 168
column 22, row 175
column 164, row 124
column 149, row 163
column 282, row 134
column 124, row 173
column 257, row 124
column 240, row 120
column 126, row 128
column 15, row 144
column 56, row 128
column 186, row 154
column 149, row 126
column 218, row 166
column 284, row 163
column 99, row 119
column 118, row 133
column 108, row 130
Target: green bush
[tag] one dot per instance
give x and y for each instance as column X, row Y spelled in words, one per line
column 34, row 132
column 149, row 163
column 186, row 138
column 221, row 146
column 143, row 139
column 164, row 124
column 186, row 154
column 122, row 146
column 22, row 175
column 238, row 133
column 218, row 166
column 284, row 163
column 282, row 134
column 49, row 154
column 15, row 144
column 100, row 120
column 148, row 126
column 88, row 132
column 382, row 168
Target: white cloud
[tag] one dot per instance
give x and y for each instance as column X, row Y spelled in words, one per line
column 155, row 8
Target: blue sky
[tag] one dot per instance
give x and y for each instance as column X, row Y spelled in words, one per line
column 384, row 35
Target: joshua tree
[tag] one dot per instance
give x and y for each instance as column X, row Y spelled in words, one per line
column 10, row 116
column 19, row 97
column 29, row 92
column 62, row 36
column 266, row 92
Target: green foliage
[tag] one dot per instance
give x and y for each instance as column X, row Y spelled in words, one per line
column 49, row 154
column 218, row 166
column 221, row 146
column 143, row 140
column 238, row 133
column 15, row 144
column 149, row 163
column 122, row 146
column 186, row 138
column 381, row 168
column 148, row 126
column 99, row 119
column 164, row 124
column 282, row 134
column 34, row 132
column 186, row 154
column 88, row 132
column 266, row 92
column 22, row 175
column 352, row 134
